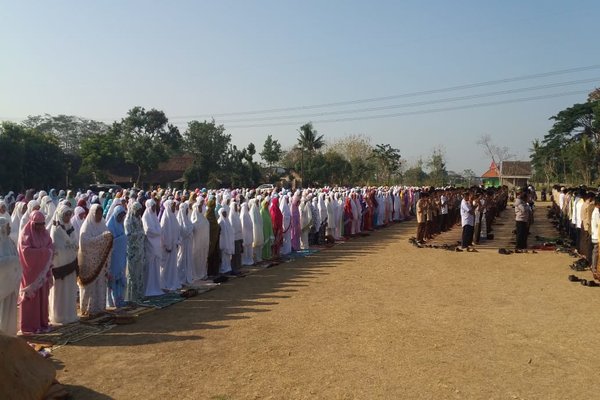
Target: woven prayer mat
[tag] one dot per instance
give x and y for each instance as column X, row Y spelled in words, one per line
column 162, row 301
column 65, row 334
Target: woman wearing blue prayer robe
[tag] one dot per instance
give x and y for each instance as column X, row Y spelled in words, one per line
column 117, row 279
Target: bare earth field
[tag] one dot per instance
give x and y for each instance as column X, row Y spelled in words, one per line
column 373, row 318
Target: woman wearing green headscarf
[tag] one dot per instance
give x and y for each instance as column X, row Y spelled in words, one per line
column 214, row 259
column 267, row 230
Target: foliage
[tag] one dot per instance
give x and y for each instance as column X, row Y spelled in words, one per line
column 570, row 151
column 209, row 145
column 271, row 151
column 355, row 149
column 438, row 175
column 29, row 159
column 69, row 130
column 415, row 176
column 389, row 162
column 309, row 142
column 147, row 139
column 99, row 153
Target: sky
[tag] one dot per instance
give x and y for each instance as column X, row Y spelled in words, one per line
column 203, row 59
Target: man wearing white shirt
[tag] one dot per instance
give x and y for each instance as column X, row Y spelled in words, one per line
column 467, row 219
column 595, row 228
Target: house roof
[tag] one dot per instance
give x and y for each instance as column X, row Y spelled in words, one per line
column 170, row 170
column 492, row 172
column 515, row 169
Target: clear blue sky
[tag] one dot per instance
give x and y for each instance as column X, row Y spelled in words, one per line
column 97, row 59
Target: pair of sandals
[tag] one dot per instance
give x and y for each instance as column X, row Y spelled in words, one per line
column 584, row 282
column 580, row 265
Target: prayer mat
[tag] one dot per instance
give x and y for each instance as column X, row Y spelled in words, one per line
column 70, row 333
column 162, row 301
column 299, row 254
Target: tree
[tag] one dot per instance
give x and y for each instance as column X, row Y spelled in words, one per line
column 354, row 148
column 570, row 151
column 309, row 142
column 415, row 176
column 99, row 153
column 493, row 151
column 12, row 154
column 389, row 161
column 438, row 175
column 271, row 151
column 468, row 175
column 147, row 139
column 69, row 130
column 271, row 154
column 209, row 144
column 29, row 158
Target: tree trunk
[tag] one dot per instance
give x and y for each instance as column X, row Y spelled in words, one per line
column 139, row 177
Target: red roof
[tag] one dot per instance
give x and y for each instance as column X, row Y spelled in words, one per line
column 492, row 172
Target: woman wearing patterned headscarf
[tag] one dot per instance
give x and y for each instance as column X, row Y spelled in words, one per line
column 63, row 295
column 135, row 253
column 117, row 279
column 11, row 273
column 36, row 256
column 95, row 245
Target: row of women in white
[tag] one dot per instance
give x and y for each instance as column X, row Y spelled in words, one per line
column 127, row 255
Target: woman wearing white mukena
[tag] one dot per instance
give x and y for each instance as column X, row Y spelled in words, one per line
column 171, row 239
column 63, row 295
column 201, row 240
column 152, row 249
column 10, row 280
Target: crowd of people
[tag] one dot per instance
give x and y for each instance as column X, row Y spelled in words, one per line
column 66, row 255
column 578, row 210
column 476, row 209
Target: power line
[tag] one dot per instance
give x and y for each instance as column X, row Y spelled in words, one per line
column 397, row 96
column 402, row 114
column 416, row 104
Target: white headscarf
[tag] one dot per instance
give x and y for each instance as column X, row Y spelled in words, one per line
column 90, row 227
column 226, row 238
column 170, row 227
column 152, row 229
column 76, row 221
column 184, row 220
column 246, row 221
column 287, row 213
column 235, row 221
column 5, row 214
column 10, row 267
column 257, row 224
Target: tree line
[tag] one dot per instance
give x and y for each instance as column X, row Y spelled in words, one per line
column 570, row 152
column 68, row 151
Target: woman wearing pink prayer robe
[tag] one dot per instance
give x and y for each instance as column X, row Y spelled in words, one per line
column 35, row 253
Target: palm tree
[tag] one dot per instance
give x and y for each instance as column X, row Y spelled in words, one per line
column 309, row 141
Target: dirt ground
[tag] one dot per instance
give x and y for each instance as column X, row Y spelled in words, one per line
column 373, row 318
